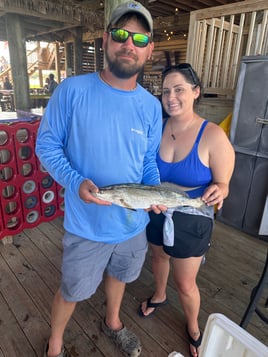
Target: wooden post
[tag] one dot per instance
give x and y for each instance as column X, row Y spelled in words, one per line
column 18, row 60
column 98, row 54
column 40, row 76
column 57, row 62
column 68, row 59
column 78, row 50
column 40, row 72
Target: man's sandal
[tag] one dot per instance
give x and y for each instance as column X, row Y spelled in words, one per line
column 63, row 353
column 124, row 339
column 150, row 304
column 195, row 343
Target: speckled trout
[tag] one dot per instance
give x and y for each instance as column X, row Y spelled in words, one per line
column 137, row 196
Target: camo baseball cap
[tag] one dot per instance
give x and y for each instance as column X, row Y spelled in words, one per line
column 131, row 6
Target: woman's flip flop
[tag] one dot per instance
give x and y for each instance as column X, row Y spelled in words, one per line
column 151, row 304
column 195, row 343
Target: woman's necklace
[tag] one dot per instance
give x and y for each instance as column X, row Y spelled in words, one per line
column 171, row 129
column 172, row 134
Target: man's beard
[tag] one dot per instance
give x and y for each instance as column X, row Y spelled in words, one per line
column 122, row 69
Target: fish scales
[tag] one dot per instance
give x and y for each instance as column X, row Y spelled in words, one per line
column 138, row 196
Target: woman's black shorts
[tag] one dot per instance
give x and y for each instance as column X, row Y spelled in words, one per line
column 192, row 234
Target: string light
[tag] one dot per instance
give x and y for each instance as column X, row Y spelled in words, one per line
column 171, row 34
column 168, row 34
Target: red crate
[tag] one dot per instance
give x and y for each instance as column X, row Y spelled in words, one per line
column 29, row 195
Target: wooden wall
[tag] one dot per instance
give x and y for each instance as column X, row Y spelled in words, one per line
column 215, row 109
column 220, row 36
column 173, row 52
column 165, row 53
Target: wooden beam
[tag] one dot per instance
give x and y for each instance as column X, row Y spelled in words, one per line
column 59, row 29
column 180, row 22
column 69, row 13
column 231, row 9
column 91, row 36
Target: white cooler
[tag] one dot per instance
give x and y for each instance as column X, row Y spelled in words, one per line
column 224, row 338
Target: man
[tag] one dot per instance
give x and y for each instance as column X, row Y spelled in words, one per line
column 7, row 84
column 52, row 84
column 100, row 129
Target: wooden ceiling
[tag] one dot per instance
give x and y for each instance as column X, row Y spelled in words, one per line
column 52, row 25
column 160, row 8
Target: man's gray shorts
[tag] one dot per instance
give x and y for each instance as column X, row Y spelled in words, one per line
column 84, row 262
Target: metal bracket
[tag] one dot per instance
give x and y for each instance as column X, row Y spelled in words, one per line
column 261, row 121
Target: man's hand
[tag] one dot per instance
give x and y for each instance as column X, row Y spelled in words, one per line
column 86, row 189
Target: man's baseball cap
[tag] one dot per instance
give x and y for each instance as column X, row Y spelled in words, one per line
column 131, row 6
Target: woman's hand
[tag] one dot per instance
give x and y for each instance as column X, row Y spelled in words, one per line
column 157, row 209
column 214, row 195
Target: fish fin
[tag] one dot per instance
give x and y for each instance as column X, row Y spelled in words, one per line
column 125, row 205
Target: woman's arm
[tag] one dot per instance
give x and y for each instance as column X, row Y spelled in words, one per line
column 221, row 163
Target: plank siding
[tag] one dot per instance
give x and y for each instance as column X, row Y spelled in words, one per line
column 30, row 275
column 240, row 29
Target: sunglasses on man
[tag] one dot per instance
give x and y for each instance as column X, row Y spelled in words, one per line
column 138, row 39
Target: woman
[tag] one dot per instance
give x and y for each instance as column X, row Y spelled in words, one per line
column 198, row 156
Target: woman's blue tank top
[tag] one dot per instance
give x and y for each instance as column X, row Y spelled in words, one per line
column 189, row 172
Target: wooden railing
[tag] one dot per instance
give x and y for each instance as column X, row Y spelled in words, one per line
column 220, row 36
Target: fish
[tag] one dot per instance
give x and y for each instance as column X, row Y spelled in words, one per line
column 137, row 196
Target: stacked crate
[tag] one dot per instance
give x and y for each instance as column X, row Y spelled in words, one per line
column 28, row 194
